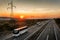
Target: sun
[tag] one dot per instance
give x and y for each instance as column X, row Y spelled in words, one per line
column 22, row 17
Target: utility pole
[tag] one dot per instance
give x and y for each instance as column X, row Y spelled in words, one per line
column 11, row 7
column 11, row 14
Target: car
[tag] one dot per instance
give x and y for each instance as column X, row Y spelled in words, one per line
column 38, row 23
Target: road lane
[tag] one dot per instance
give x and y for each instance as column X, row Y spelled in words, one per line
column 52, row 34
column 21, row 37
column 44, row 34
column 47, row 37
column 57, row 30
column 35, row 34
column 26, row 34
column 31, row 30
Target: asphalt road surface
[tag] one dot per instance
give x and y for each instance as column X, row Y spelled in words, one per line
column 46, row 30
column 31, row 30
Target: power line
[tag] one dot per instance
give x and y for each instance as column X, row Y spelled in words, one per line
column 11, row 7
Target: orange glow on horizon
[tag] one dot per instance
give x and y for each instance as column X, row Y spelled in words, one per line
column 21, row 16
column 32, row 15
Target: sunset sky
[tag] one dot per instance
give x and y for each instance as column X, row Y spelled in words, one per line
column 31, row 8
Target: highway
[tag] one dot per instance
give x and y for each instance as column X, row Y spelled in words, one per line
column 46, row 30
column 47, row 33
column 51, row 32
column 31, row 31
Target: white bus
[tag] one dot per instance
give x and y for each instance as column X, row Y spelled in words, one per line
column 19, row 31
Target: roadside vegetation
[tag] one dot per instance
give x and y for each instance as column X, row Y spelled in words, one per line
column 58, row 21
